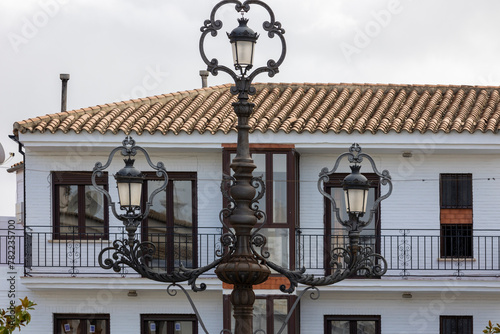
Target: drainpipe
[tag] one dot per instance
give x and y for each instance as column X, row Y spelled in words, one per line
column 64, row 78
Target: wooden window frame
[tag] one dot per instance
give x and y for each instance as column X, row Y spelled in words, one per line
column 456, row 318
column 352, row 320
column 170, row 319
column 173, row 176
column 293, row 325
column 292, row 190
column 79, row 316
column 80, row 179
column 456, row 208
column 335, row 181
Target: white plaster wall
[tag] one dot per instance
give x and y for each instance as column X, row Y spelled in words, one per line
column 40, row 165
column 414, row 203
column 413, row 206
column 39, row 199
column 110, row 299
column 419, row 314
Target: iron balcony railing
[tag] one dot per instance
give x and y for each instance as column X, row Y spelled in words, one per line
column 460, row 252
column 409, row 253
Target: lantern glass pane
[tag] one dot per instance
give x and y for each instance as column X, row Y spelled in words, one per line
column 129, row 193
column 356, row 200
column 123, row 193
column 136, row 192
column 235, row 53
column 244, row 50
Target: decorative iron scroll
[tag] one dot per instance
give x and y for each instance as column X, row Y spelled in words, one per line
column 272, row 27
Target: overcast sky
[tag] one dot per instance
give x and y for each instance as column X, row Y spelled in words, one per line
column 120, row 49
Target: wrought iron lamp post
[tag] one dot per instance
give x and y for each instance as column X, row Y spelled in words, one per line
column 240, row 263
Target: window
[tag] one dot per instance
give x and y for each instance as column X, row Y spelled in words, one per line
column 169, row 324
column 335, row 234
column 269, row 314
column 455, row 324
column 81, row 323
column 456, row 215
column 171, row 224
column 79, row 211
column 279, row 170
column 350, row 324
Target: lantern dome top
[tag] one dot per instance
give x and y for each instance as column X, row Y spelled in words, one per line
column 243, row 32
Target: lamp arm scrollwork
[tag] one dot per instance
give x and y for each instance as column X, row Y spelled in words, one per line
column 324, row 177
column 385, row 180
column 139, row 254
column 98, row 172
column 345, row 263
column 160, row 171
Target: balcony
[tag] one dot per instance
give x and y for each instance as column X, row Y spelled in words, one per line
column 409, row 253
column 412, row 252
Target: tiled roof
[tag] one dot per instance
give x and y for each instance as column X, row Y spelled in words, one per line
column 292, row 108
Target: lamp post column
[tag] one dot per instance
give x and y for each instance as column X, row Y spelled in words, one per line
column 242, row 269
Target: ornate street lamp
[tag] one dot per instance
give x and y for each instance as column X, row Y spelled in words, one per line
column 240, row 263
column 129, row 182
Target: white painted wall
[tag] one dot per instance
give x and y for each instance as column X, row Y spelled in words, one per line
column 418, row 315
column 414, row 204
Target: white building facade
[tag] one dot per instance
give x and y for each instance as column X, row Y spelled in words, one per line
column 438, row 231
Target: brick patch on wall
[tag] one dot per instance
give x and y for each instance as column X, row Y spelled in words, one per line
column 456, row 216
column 273, row 283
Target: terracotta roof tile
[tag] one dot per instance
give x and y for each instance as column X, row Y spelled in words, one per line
column 487, row 112
column 291, row 108
column 306, row 108
column 325, row 122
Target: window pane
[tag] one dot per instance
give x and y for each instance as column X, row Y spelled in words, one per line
column 456, row 240
column 68, row 209
column 183, row 327
column 97, row 326
column 157, row 327
column 259, row 316
column 69, row 327
column 157, row 223
column 280, row 313
column 456, row 191
column 94, row 211
column 260, row 161
column 340, row 327
column 277, row 245
column 279, row 188
column 366, row 327
column 183, row 223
